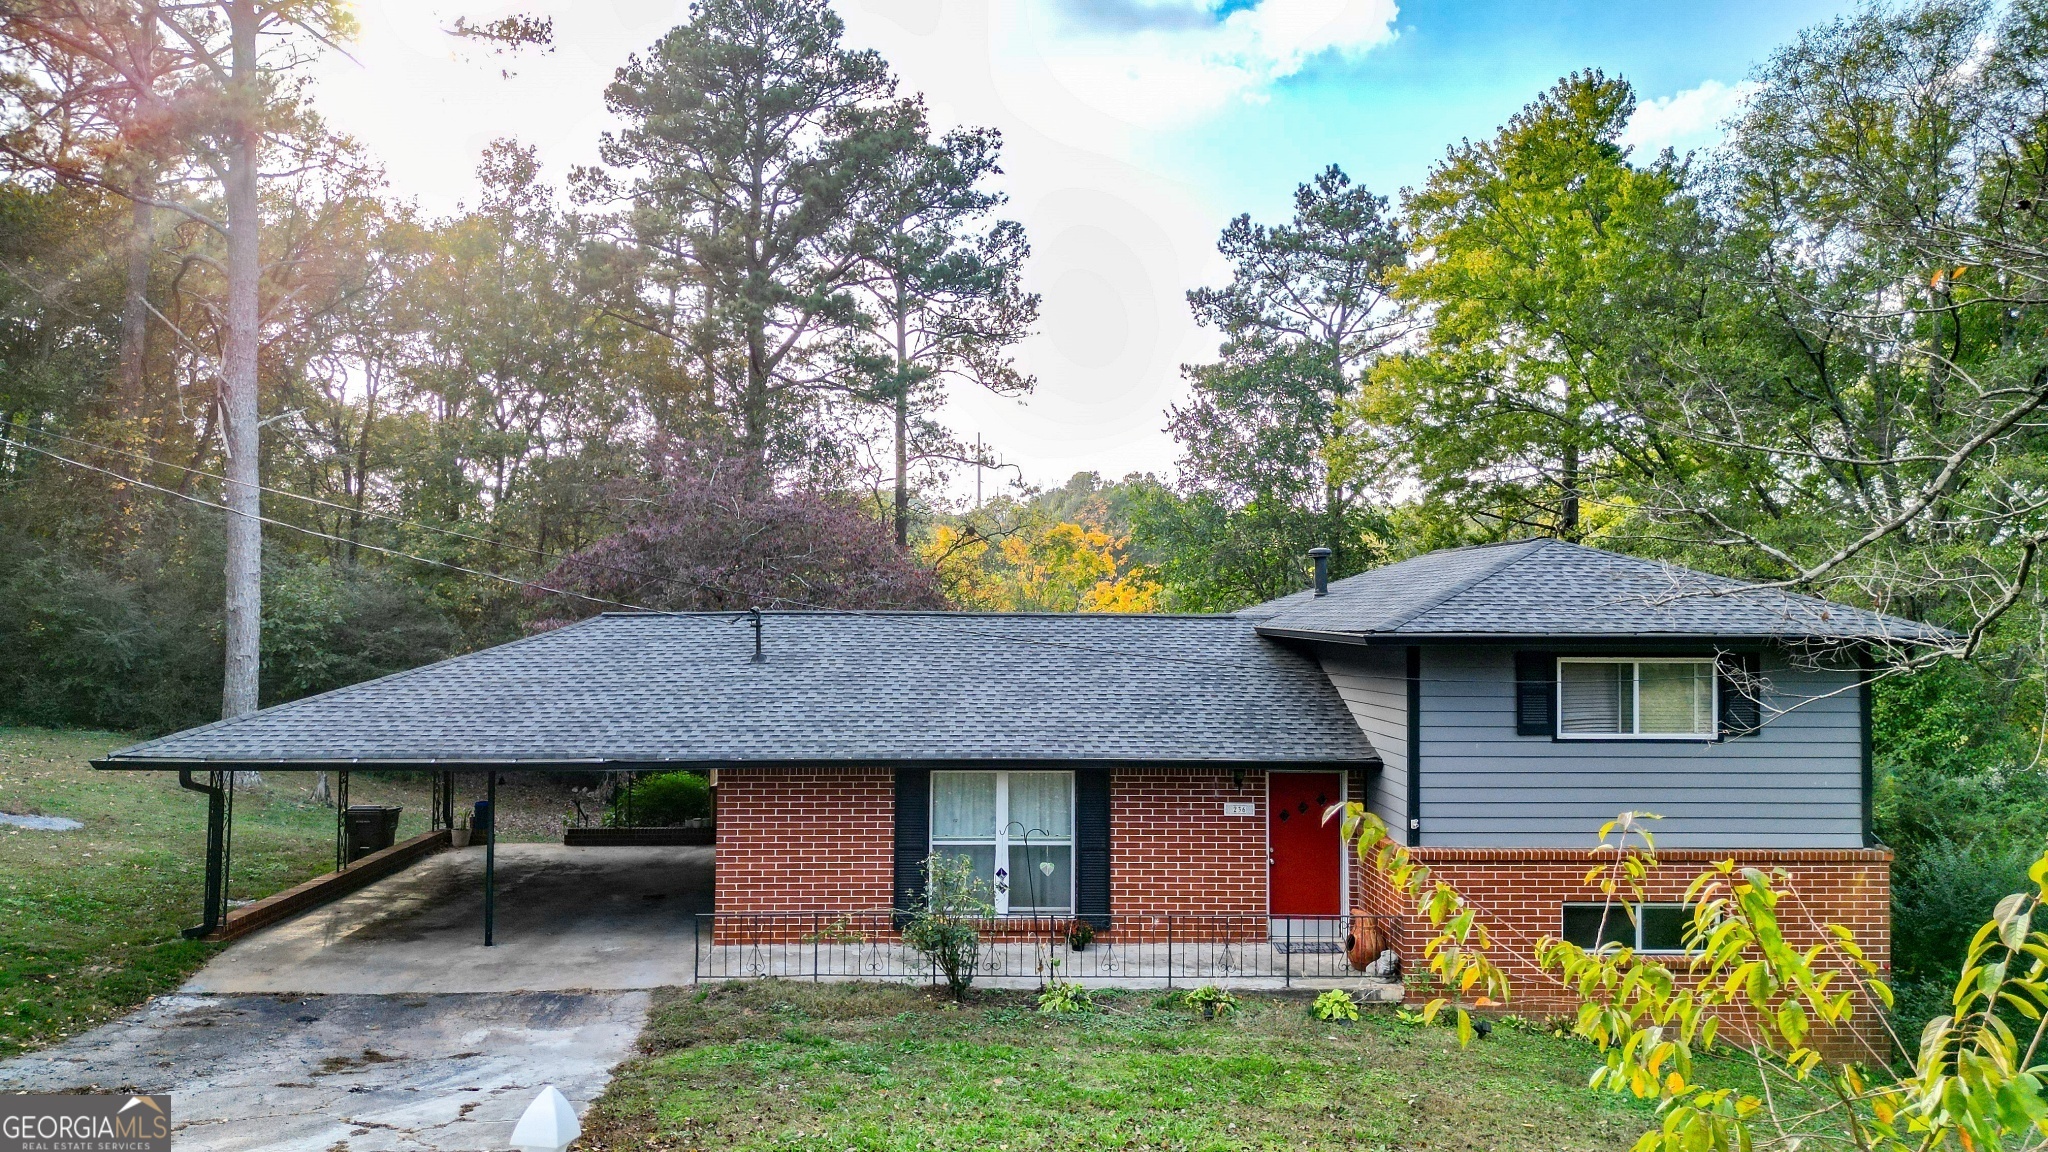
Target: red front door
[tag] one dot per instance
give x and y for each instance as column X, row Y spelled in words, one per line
column 1305, row 851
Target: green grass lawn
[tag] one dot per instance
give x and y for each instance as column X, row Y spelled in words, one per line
column 89, row 919
column 777, row 1065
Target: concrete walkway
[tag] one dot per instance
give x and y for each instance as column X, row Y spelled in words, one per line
column 446, row 1073
column 568, row 918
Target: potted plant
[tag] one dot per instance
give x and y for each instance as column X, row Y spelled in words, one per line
column 1080, row 936
column 458, row 836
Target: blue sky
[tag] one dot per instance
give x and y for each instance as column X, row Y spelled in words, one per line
column 1134, row 130
column 1458, row 68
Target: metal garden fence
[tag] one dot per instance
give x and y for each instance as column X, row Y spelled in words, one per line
column 1167, row 950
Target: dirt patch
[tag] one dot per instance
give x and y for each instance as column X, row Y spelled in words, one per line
column 333, row 1064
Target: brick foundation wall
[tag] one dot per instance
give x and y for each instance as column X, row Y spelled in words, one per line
column 795, row 841
column 1172, row 851
column 1520, row 893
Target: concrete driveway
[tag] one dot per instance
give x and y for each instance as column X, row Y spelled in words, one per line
column 600, row 918
column 347, row 1073
column 380, row 1023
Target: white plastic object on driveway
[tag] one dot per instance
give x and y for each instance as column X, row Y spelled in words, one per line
column 549, row 1124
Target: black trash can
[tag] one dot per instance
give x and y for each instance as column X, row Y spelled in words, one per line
column 480, row 823
column 371, row 828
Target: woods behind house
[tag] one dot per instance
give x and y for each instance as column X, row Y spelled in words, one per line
column 707, row 372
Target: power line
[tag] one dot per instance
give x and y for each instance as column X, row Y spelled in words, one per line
column 186, row 496
column 318, row 501
column 322, row 502
column 1157, row 657
column 513, row 580
column 736, row 614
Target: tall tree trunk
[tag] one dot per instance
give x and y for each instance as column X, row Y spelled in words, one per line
column 135, row 304
column 1568, row 511
column 238, row 378
column 362, row 485
column 902, row 424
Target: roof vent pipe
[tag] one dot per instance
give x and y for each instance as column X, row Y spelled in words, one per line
column 1322, row 558
column 753, row 616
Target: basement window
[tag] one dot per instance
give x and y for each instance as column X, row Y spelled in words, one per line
column 1623, row 698
column 1017, row 828
column 1642, row 927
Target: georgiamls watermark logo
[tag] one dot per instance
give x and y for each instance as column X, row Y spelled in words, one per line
column 79, row 1123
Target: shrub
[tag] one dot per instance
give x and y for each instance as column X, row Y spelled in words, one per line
column 662, row 801
column 946, row 930
column 1061, row 998
column 1336, row 1004
column 1210, row 1000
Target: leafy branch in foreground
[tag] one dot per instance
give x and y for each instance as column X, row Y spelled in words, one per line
column 1746, row 987
column 1456, row 955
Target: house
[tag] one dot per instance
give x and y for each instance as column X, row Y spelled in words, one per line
column 1493, row 704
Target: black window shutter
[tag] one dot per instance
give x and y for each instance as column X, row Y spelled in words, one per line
column 1091, row 845
column 1535, row 694
column 913, row 836
column 1742, row 713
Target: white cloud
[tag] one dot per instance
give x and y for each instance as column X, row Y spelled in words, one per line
column 1693, row 119
column 1170, row 63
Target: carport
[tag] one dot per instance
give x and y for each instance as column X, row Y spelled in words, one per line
column 215, row 779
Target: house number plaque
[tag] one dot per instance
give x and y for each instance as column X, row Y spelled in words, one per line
column 1235, row 809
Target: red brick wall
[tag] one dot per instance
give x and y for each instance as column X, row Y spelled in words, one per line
column 822, row 842
column 794, row 841
column 1520, row 893
column 1172, row 850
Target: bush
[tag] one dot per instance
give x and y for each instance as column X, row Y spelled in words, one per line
column 946, row 930
column 1062, row 998
column 662, row 801
column 1336, row 1004
column 1210, row 1000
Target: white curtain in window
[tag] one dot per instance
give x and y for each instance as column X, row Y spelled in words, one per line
column 1041, row 804
column 963, row 805
column 1595, row 698
column 1677, row 697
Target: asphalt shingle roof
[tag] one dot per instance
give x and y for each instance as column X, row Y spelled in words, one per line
column 1553, row 588
column 835, row 687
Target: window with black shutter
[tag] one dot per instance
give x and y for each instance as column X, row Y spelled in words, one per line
column 1091, row 846
column 913, row 836
column 1535, row 694
column 1742, row 710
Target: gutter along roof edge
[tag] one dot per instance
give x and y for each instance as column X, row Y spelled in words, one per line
column 115, row 763
column 1594, row 638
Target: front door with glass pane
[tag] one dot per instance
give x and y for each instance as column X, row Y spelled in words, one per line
column 1307, row 875
column 1018, row 828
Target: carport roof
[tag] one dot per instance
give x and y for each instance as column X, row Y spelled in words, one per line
column 642, row 690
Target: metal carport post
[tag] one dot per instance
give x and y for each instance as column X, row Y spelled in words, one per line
column 491, row 856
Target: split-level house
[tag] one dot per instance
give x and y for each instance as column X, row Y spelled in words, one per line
column 1494, row 706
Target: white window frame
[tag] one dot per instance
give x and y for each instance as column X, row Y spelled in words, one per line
column 1001, row 841
column 1712, row 733
column 1631, row 914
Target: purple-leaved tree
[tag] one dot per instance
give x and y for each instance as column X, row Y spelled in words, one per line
column 708, row 535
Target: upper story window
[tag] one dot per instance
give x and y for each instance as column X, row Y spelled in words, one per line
column 1622, row 697
column 1018, row 828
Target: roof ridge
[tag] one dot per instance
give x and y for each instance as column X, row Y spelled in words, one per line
column 1529, row 548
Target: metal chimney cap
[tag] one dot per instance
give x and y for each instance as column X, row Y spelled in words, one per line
column 1321, row 556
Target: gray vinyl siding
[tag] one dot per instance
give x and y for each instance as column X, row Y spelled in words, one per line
column 1373, row 683
column 1797, row 784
